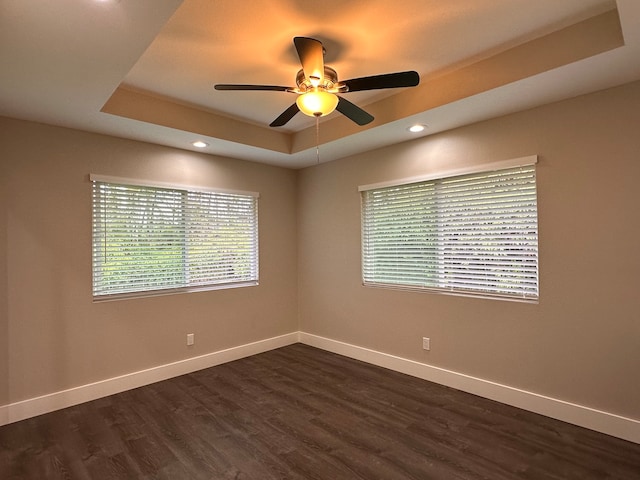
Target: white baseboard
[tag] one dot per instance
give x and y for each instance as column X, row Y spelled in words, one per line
column 604, row 422
column 611, row 424
column 55, row 401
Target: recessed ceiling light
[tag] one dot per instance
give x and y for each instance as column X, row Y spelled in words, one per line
column 200, row 144
column 417, row 128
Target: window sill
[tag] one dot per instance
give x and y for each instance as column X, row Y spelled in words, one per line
column 456, row 293
column 171, row 291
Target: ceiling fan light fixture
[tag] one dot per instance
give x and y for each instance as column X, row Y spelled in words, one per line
column 318, row 87
column 317, row 103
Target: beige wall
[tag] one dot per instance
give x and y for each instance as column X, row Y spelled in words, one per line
column 4, row 323
column 52, row 336
column 581, row 343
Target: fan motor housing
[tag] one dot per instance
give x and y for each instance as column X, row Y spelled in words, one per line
column 329, row 83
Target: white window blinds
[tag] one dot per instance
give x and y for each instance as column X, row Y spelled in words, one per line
column 157, row 240
column 473, row 234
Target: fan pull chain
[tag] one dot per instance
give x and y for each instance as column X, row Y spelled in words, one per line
column 317, row 139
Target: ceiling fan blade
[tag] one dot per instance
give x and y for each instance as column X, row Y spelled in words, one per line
column 275, row 88
column 311, row 56
column 387, row 80
column 285, row 116
column 353, row 112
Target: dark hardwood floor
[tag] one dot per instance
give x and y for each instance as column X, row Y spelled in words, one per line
column 302, row 413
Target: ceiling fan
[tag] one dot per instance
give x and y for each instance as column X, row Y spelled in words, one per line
column 317, row 86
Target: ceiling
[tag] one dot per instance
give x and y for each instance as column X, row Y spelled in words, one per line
column 145, row 69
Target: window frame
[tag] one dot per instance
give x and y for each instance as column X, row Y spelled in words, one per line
column 435, row 178
column 184, row 190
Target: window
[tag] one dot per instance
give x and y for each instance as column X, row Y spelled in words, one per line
column 152, row 239
column 473, row 234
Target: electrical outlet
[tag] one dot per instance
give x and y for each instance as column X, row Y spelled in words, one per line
column 426, row 343
column 190, row 339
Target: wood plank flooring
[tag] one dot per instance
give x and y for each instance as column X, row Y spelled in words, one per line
column 302, row 413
